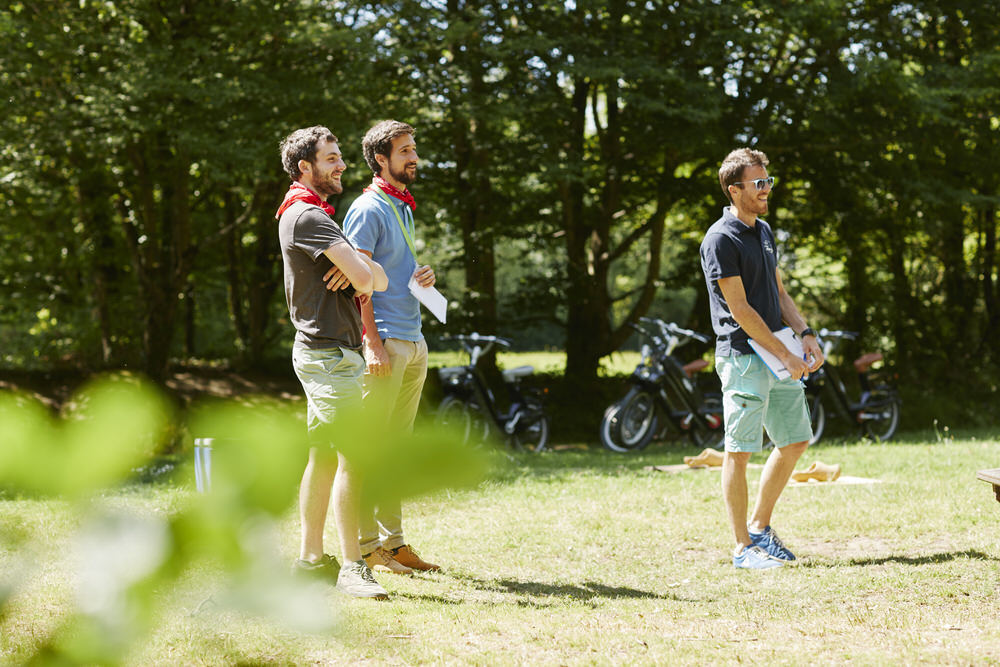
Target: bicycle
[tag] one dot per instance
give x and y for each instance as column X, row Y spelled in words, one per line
column 470, row 404
column 663, row 386
column 877, row 409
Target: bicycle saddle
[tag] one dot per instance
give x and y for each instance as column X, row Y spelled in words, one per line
column 450, row 371
column 865, row 361
column 512, row 374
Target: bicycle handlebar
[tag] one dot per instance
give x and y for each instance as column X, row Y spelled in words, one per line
column 670, row 328
column 477, row 344
column 482, row 338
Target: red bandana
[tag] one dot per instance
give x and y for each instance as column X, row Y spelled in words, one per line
column 298, row 192
column 402, row 195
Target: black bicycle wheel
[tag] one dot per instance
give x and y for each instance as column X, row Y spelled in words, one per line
column 532, row 434
column 880, row 416
column 817, row 416
column 454, row 413
column 481, row 423
column 629, row 424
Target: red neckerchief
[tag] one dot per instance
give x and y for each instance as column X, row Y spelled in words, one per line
column 402, row 195
column 298, row 192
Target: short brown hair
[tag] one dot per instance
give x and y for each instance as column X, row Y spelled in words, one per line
column 378, row 141
column 302, row 145
column 732, row 167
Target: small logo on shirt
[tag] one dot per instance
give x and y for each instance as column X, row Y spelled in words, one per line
column 768, row 247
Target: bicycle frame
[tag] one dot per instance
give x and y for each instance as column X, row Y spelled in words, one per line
column 874, row 404
column 665, row 378
column 468, row 383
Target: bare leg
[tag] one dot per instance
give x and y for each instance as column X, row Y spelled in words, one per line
column 777, row 471
column 734, row 492
column 314, row 500
column 346, row 509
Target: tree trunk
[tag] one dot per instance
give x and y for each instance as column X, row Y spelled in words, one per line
column 94, row 193
column 583, row 316
column 159, row 239
column 474, row 192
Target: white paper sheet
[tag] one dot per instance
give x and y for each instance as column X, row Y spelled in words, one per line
column 794, row 345
column 431, row 298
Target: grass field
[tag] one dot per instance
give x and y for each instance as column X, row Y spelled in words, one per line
column 618, row 363
column 585, row 557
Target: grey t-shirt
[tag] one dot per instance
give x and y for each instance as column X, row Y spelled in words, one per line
column 322, row 319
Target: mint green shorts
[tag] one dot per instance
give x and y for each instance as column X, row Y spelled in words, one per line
column 754, row 400
column 331, row 379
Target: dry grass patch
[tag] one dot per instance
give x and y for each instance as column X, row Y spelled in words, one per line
column 582, row 558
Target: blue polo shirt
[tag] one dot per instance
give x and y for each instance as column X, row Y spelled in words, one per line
column 371, row 225
column 731, row 248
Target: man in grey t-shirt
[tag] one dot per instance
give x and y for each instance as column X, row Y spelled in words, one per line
column 326, row 355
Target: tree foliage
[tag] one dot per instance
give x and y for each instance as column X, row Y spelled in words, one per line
column 569, row 158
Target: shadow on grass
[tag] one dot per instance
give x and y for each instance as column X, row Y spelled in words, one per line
column 588, row 590
column 944, row 557
column 584, row 591
column 928, row 559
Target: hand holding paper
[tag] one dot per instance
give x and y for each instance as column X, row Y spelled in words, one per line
column 776, row 366
column 431, row 298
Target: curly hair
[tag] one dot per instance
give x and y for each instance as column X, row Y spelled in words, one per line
column 732, row 167
column 378, row 141
column 302, row 145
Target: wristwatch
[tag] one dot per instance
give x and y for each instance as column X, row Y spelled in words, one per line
column 808, row 332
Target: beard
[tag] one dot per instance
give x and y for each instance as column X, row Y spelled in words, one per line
column 404, row 175
column 326, row 185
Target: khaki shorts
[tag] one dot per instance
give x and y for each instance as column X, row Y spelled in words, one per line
column 331, row 379
column 754, row 400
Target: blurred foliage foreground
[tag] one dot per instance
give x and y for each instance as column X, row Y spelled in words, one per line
column 113, row 426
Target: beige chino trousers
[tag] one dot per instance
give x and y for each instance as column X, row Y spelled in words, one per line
column 394, row 400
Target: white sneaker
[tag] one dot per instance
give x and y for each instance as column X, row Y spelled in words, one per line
column 356, row 579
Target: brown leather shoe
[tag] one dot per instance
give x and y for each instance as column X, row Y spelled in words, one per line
column 405, row 555
column 381, row 560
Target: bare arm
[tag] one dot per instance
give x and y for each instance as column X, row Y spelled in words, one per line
column 751, row 322
column 376, row 358
column 352, row 265
column 336, row 280
column 792, row 317
column 379, row 279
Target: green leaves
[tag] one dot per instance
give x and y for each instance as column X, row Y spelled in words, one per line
column 124, row 559
column 110, row 427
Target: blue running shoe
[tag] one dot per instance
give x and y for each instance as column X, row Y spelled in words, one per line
column 769, row 541
column 755, row 558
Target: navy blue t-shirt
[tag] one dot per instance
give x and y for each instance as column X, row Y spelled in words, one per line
column 731, row 248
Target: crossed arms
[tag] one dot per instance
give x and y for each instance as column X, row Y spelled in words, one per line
column 356, row 268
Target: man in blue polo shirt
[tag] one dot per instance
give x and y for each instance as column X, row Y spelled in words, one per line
column 380, row 224
column 748, row 301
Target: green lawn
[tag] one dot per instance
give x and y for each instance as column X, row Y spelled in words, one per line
column 617, row 363
column 585, row 557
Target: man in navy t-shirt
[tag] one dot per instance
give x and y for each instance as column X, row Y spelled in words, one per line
column 748, row 301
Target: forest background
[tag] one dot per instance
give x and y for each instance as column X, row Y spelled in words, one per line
column 569, row 158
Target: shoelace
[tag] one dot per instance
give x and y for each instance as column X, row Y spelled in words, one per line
column 367, row 575
column 777, row 540
column 381, row 556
